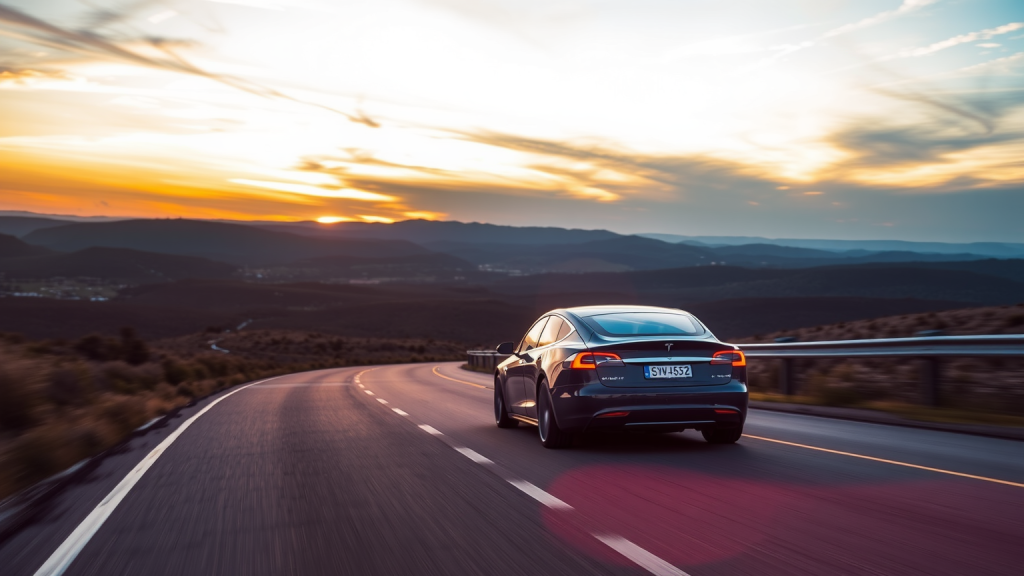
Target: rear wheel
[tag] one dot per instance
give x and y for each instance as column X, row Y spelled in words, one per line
column 722, row 435
column 551, row 436
column 501, row 417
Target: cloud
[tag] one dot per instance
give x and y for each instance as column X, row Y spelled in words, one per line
column 261, row 4
column 906, row 7
column 25, row 77
column 93, row 44
column 1004, row 65
column 307, row 190
column 957, row 40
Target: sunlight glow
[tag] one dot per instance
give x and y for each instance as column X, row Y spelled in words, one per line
column 317, row 191
column 605, row 112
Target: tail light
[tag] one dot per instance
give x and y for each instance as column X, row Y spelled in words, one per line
column 590, row 360
column 734, row 357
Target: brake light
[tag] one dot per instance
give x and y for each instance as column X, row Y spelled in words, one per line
column 590, row 360
column 734, row 357
column 613, row 415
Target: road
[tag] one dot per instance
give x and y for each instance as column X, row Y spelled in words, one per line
column 400, row 470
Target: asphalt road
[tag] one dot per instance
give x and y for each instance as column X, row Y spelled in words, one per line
column 400, row 470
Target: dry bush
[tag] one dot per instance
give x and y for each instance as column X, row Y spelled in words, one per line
column 22, row 397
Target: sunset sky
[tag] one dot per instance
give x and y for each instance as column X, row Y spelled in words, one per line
column 899, row 119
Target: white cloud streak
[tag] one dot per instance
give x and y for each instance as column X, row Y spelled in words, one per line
column 905, row 8
column 957, row 40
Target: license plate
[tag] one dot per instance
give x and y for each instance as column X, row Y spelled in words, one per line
column 677, row 371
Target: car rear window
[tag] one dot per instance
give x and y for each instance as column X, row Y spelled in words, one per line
column 645, row 324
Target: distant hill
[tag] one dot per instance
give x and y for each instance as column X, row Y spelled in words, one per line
column 952, row 322
column 991, row 249
column 614, row 254
column 232, row 243
column 132, row 266
column 11, row 247
column 683, row 286
column 745, row 317
column 22, row 225
column 432, row 267
column 47, row 318
column 1011, row 269
column 426, row 231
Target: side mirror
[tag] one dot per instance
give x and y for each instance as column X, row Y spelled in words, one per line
column 506, row 348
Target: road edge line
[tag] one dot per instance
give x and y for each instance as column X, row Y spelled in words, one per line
column 437, row 373
column 887, row 461
column 65, row 554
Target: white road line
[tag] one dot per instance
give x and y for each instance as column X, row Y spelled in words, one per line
column 64, row 555
column 382, row 401
column 399, row 412
column 361, row 386
column 540, row 495
column 474, row 456
column 368, row 392
column 639, row 556
column 642, row 558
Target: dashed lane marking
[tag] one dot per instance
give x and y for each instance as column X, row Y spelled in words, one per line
column 66, row 553
column 631, row 551
column 540, row 495
column 436, row 373
column 893, row 462
column 474, row 455
column 368, row 392
column 639, row 556
column 399, row 412
column 382, row 401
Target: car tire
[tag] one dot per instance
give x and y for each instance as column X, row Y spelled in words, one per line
column 501, row 417
column 722, row 435
column 551, row 436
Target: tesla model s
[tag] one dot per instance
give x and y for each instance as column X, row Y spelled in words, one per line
column 621, row 368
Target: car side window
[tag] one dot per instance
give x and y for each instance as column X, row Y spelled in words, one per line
column 533, row 336
column 550, row 333
column 564, row 330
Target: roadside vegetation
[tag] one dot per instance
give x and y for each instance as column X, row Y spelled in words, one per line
column 974, row 390
column 64, row 400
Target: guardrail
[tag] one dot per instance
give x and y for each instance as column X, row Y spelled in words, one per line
column 928, row 350
column 484, row 359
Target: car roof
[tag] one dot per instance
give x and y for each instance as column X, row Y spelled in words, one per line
column 586, row 311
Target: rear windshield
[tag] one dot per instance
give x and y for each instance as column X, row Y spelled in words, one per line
column 645, row 324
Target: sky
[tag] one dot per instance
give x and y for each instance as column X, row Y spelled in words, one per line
column 867, row 119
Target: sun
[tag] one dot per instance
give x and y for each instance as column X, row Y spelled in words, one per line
column 332, row 219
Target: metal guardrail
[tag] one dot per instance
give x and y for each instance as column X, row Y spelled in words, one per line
column 484, row 359
column 928, row 350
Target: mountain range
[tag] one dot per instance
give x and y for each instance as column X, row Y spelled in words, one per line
column 464, row 282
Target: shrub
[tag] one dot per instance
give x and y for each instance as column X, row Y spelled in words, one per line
column 133, row 350
column 839, row 396
column 68, row 386
column 174, row 372
column 98, row 348
column 20, row 394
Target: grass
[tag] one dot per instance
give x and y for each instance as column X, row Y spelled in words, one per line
column 943, row 415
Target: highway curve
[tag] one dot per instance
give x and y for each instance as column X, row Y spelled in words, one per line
column 400, row 470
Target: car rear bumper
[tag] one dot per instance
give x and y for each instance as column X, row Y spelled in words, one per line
column 596, row 407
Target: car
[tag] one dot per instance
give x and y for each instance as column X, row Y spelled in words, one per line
column 640, row 368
